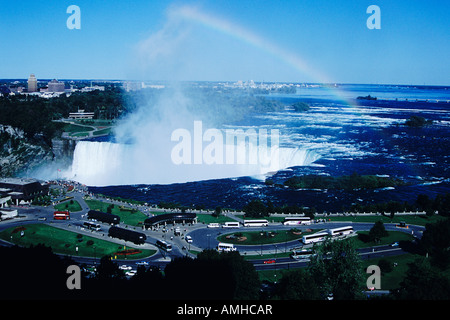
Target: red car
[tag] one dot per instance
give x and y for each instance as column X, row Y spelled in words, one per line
column 269, row 261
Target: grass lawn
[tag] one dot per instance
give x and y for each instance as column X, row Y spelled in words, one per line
column 393, row 236
column 102, row 132
column 67, row 205
column 391, row 280
column 208, row 218
column 75, row 128
column 260, row 237
column 65, row 242
column 420, row 220
column 126, row 214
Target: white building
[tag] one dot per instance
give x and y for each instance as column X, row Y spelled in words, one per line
column 32, row 83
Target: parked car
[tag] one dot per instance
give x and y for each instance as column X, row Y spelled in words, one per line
column 395, row 244
column 130, row 273
column 124, row 267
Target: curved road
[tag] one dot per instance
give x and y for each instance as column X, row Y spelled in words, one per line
column 203, row 237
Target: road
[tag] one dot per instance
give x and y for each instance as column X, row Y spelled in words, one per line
column 203, row 237
column 287, row 263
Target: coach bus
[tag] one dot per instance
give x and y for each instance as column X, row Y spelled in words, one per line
column 340, row 231
column 256, row 223
column 230, row 224
column 164, row 245
column 291, row 221
column 91, row 226
column 225, row 247
column 302, row 254
column 315, row 237
column 61, row 215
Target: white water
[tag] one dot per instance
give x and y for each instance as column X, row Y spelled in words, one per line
column 106, row 163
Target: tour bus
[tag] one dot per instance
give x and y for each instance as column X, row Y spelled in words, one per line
column 301, row 254
column 164, row 245
column 256, row 223
column 290, row 221
column 315, row 237
column 61, row 215
column 229, row 224
column 340, row 231
column 91, row 226
column 225, row 247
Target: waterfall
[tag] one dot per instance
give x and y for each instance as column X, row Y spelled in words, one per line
column 107, row 163
column 96, row 163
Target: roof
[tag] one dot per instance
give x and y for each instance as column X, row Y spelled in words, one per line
column 170, row 217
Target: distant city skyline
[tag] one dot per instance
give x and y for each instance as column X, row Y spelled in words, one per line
column 284, row 41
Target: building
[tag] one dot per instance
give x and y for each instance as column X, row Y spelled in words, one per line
column 8, row 213
column 56, row 86
column 163, row 219
column 22, row 190
column 93, row 88
column 32, row 83
column 5, row 211
column 81, row 114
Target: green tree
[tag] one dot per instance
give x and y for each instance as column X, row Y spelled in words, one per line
column 213, row 275
column 255, row 209
column 436, row 242
column 422, row 282
column 298, row 285
column 218, row 211
column 108, row 270
column 377, row 232
column 337, row 269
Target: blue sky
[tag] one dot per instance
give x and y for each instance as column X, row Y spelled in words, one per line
column 237, row 40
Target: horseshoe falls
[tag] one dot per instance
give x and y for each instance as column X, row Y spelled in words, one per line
column 107, row 163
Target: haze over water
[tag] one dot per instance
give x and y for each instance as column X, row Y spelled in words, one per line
column 368, row 138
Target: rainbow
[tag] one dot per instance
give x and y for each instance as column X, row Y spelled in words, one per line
column 207, row 20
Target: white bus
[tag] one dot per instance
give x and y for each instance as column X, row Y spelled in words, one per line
column 340, row 231
column 213, row 225
column 225, row 247
column 164, row 245
column 231, row 224
column 315, row 237
column 256, row 223
column 301, row 254
column 91, row 226
column 291, row 221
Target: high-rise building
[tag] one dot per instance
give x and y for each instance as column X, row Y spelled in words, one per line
column 56, row 86
column 32, row 83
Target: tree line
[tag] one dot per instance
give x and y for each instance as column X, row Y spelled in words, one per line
column 257, row 208
column 34, row 115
